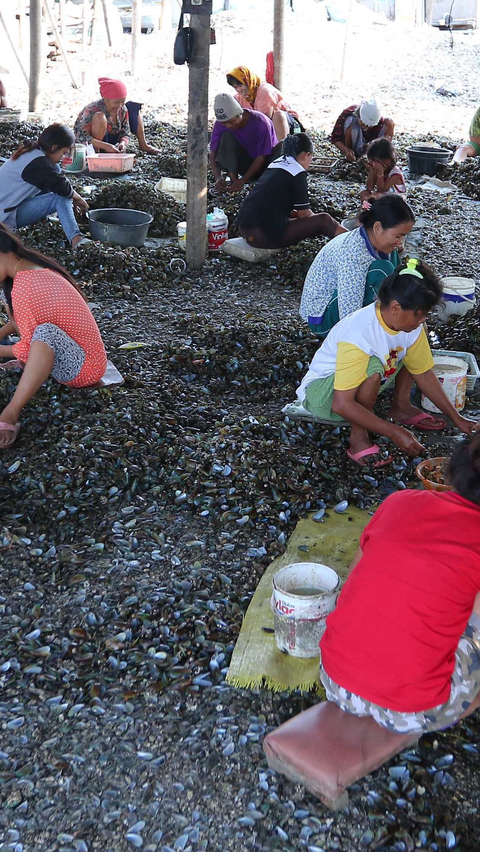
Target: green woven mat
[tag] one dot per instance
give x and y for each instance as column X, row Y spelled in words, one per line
column 256, row 660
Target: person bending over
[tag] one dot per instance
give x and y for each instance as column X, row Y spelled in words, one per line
column 58, row 333
column 471, row 148
column 32, row 185
column 251, row 93
column 346, row 272
column 243, row 143
column 105, row 123
column 276, row 213
column 358, row 125
column 403, row 644
column 365, row 352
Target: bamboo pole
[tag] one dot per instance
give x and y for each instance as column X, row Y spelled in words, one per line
column 107, row 22
column 197, row 143
column 136, row 31
column 59, row 41
column 36, row 47
column 14, row 49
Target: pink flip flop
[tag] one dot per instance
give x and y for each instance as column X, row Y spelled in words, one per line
column 9, row 427
column 369, row 451
column 422, row 421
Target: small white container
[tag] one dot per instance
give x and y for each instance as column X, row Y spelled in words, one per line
column 217, row 227
column 458, row 297
column 182, row 234
column 452, row 375
column 304, row 593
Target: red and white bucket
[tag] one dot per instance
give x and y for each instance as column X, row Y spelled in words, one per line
column 303, row 595
column 217, row 228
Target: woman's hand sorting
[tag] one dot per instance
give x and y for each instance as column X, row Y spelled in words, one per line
column 405, row 441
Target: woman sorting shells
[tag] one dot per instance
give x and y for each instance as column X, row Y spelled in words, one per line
column 32, row 185
column 403, row 644
column 251, row 93
column 58, row 334
column 276, row 212
column 347, row 271
column 105, row 123
column 369, row 349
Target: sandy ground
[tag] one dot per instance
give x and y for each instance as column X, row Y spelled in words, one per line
column 402, row 65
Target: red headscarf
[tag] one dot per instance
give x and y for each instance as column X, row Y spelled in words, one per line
column 112, row 89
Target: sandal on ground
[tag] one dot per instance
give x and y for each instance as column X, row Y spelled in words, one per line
column 9, row 427
column 14, row 364
column 424, row 421
column 83, row 242
column 369, row 451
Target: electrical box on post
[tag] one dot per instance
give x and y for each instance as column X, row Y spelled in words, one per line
column 197, row 7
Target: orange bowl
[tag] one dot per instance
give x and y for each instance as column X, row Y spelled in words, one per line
column 424, row 467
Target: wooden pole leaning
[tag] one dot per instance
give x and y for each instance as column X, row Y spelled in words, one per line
column 14, row 49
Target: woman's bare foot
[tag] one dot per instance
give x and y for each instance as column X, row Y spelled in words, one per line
column 149, row 149
column 405, row 414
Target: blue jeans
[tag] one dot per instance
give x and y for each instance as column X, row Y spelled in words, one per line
column 40, row 206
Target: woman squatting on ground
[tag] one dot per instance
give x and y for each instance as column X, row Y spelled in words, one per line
column 276, row 212
column 368, row 350
column 57, row 330
column 32, row 185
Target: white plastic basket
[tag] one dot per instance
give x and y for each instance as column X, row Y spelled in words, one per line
column 473, row 369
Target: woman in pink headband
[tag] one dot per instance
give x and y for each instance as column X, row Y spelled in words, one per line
column 105, row 123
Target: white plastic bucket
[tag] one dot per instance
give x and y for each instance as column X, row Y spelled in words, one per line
column 304, row 593
column 182, row 234
column 458, row 297
column 217, row 227
column 452, row 375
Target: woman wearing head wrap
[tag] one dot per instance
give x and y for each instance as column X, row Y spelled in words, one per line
column 358, row 125
column 251, row 93
column 105, row 123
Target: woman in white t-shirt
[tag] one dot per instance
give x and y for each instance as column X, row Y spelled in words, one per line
column 362, row 355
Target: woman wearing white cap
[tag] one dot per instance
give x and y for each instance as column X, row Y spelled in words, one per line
column 358, row 125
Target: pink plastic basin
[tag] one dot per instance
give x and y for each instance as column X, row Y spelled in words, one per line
column 110, row 162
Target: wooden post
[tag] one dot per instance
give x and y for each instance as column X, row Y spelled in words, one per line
column 93, row 31
column 59, row 41
column 197, row 145
column 12, row 45
column 107, row 22
column 278, row 28
column 136, row 31
column 61, row 14
column 36, row 54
